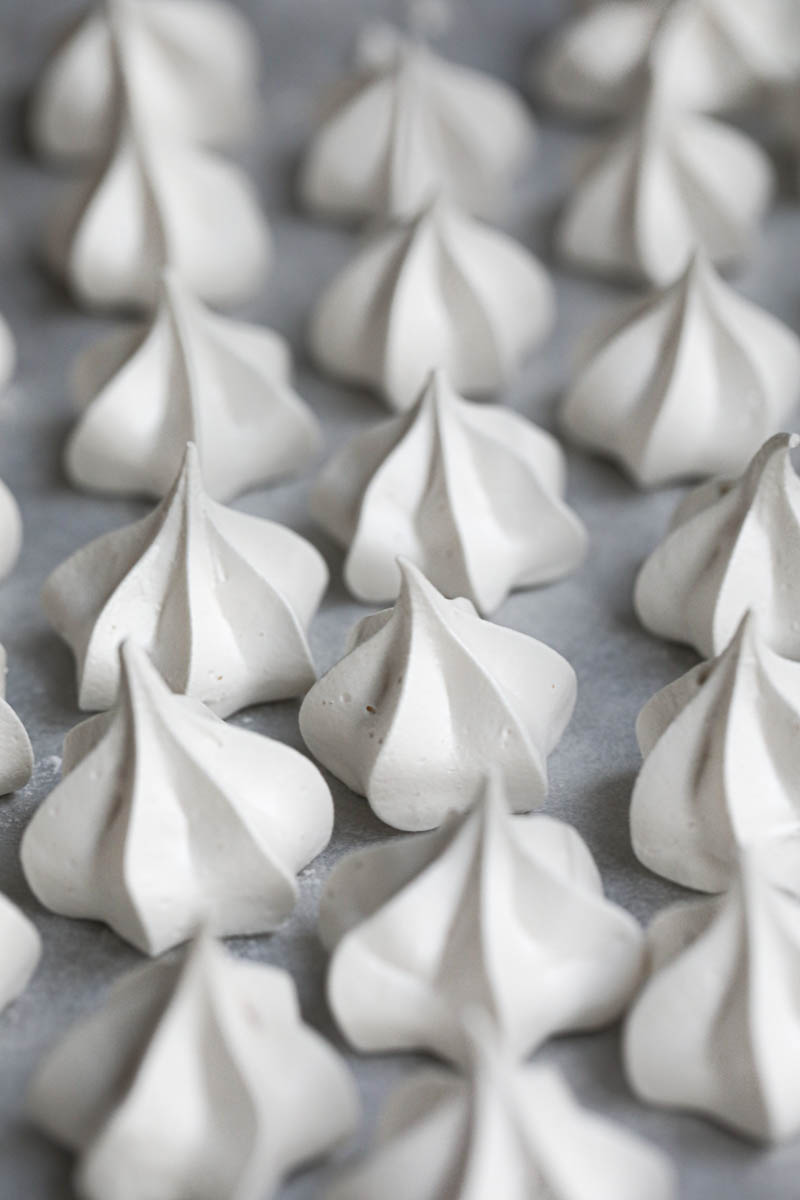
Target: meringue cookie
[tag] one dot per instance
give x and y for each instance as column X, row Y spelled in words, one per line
column 427, row 698
column 504, row 1130
column 411, row 126
column 155, row 201
column 441, row 291
column 189, row 375
column 471, row 494
column 708, row 55
column 716, row 1029
column 211, row 822
column 20, row 951
column 193, row 64
column 733, row 545
column 197, row 1078
column 426, row 929
column 721, row 765
column 10, row 531
column 219, row 599
column 688, row 384
column 16, row 753
column 8, row 353
column 671, row 183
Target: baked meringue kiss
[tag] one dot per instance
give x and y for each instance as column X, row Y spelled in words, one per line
column 425, row 930
column 188, row 375
column 193, row 65
column 672, row 182
column 197, row 1078
column 733, row 546
column 20, row 951
column 411, row 126
column 428, row 698
column 219, row 599
column 470, row 493
column 10, row 531
column 722, row 763
column 8, row 353
column 155, row 200
column 690, row 383
column 443, row 291
column 716, row 1028
column 502, row 1130
column 16, row 753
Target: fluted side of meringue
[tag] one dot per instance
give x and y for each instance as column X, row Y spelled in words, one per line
column 425, row 930
column 716, row 1029
column 167, row 817
column 427, row 698
column 20, row 951
column 16, row 752
column 189, row 375
column 220, row 600
column 197, row 1077
column 192, row 63
column 503, row 1130
column 10, row 531
column 689, row 384
column 440, row 291
column 733, row 546
column 669, row 184
column 8, row 353
column 721, row 765
column 473, row 495
column 412, row 126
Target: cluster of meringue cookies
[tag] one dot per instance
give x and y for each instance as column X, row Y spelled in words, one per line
column 171, row 826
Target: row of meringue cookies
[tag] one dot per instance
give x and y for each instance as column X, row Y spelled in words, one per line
column 690, row 381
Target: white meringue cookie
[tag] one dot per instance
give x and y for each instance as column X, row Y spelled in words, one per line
column 472, row 494
column 193, row 64
column 411, row 126
column 442, row 291
column 212, row 823
column 716, row 1029
column 220, row 600
column 20, row 951
column 722, row 764
column 155, row 201
column 197, row 1078
column 670, row 183
column 708, row 55
column 503, row 1130
column 688, row 384
column 189, row 375
column 733, row 545
column 16, row 753
column 8, row 353
column 10, row 531
column 428, row 698
column 425, row 929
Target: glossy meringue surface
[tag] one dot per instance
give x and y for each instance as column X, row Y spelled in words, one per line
column 704, row 54
column 690, row 383
column 411, row 126
column 503, row 1129
column 188, row 375
column 192, row 63
column 16, row 752
column 427, row 698
column 440, row 291
column 10, row 531
column 500, row 914
column 669, row 184
column 721, row 762
column 220, row 600
column 471, row 494
column 8, row 353
column 211, row 822
column 716, row 1030
column 196, row 1077
column 730, row 549
column 20, row 951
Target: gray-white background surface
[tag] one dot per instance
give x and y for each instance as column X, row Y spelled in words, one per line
column 587, row 617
